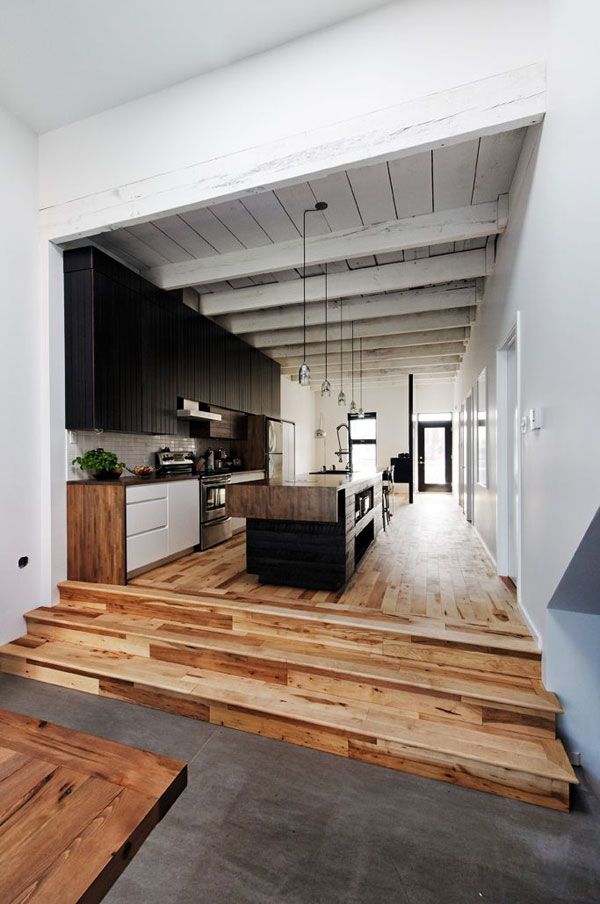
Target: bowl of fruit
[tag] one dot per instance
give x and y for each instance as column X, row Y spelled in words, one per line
column 142, row 471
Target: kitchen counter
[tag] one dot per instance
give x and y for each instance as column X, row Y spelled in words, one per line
column 311, row 531
column 130, row 480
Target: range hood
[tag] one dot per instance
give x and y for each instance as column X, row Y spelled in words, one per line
column 191, row 411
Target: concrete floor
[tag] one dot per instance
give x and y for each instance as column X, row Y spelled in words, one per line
column 262, row 821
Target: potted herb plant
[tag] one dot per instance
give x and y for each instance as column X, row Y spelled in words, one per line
column 100, row 464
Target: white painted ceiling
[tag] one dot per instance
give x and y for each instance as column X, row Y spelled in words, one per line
column 63, row 60
column 361, row 289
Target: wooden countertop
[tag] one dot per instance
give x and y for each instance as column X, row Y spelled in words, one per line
column 309, row 497
column 76, row 808
column 134, row 481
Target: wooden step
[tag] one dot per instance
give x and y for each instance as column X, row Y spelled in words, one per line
column 493, row 650
column 531, row 769
column 521, row 706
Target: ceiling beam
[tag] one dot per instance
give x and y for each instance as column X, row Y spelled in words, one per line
column 373, row 366
column 460, row 224
column 425, row 271
column 379, row 326
column 498, row 103
column 378, row 354
column 397, row 341
column 360, row 308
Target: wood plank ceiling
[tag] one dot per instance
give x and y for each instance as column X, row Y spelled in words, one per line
column 412, row 303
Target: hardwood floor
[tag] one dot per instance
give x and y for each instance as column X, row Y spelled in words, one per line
column 74, row 809
column 428, row 563
column 423, row 664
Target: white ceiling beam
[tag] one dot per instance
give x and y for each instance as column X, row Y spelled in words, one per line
column 359, row 308
column 400, row 340
column 384, row 372
column 403, row 323
column 460, row 224
column 373, row 366
column 426, row 271
column 488, row 106
column 399, row 380
column 377, row 354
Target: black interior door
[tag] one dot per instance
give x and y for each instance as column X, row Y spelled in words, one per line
column 435, row 456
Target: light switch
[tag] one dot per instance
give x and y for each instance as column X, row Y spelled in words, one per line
column 535, row 419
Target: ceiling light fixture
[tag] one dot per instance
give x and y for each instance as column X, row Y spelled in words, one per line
column 342, row 395
column 353, row 409
column 325, row 385
column 360, row 410
column 304, row 370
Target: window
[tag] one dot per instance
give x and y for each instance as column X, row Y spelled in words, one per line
column 363, row 441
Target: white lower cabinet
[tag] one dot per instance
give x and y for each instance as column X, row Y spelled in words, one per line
column 184, row 514
column 162, row 519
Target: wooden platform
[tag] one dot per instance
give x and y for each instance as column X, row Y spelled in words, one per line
column 441, row 698
column 74, row 809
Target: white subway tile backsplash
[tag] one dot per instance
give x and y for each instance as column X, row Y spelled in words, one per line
column 132, row 448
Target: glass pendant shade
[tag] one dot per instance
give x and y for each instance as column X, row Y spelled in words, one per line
column 342, row 397
column 353, row 409
column 326, row 388
column 304, row 374
column 361, row 412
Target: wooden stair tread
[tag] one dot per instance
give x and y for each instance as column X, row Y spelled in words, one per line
column 259, row 597
column 390, row 626
column 527, row 694
column 544, row 758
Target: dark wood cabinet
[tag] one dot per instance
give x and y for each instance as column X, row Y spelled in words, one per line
column 132, row 349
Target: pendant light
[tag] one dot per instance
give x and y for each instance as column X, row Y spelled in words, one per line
column 342, row 395
column 360, row 410
column 353, row 409
column 304, row 370
column 326, row 385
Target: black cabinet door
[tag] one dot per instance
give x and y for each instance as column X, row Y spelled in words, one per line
column 232, row 375
column 202, row 358
column 79, row 351
column 245, row 376
column 117, row 356
column 186, row 321
column 275, row 389
column 159, row 367
column 218, row 364
column 256, row 382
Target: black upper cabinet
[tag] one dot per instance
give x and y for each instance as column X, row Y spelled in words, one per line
column 131, row 350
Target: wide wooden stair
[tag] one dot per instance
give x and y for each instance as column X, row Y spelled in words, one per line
column 459, row 702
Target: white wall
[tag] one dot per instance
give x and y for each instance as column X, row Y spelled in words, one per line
column 298, row 405
column 546, row 269
column 391, row 405
column 20, row 345
column 405, row 50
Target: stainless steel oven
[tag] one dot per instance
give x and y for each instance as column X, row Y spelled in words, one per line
column 215, row 522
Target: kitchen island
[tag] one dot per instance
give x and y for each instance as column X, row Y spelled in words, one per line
column 311, row 531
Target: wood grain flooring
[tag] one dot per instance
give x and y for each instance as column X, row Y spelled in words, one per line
column 74, row 809
column 428, row 563
column 423, row 663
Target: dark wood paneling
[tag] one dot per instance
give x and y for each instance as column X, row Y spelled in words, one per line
column 218, row 364
column 79, row 350
column 233, row 425
column 96, row 544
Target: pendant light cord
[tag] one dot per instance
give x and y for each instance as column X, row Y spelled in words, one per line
column 325, row 322
column 361, row 372
column 341, row 347
column 352, row 353
column 304, row 285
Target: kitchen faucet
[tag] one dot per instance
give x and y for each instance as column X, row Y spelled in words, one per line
column 341, row 452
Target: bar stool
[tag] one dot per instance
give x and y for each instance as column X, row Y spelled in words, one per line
column 385, row 504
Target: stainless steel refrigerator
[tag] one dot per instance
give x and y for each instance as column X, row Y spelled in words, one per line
column 281, row 450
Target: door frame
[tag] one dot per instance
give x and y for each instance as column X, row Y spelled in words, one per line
column 434, row 488
column 504, row 455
